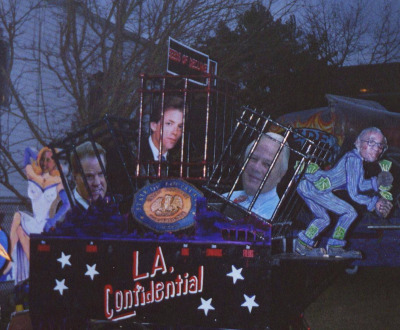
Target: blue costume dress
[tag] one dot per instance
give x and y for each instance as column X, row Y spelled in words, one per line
column 317, row 191
column 44, row 202
column 44, row 206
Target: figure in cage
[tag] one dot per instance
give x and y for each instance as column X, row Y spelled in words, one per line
column 182, row 128
column 166, row 127
column 257, row 160
column 164, row 136
column 260, row 160
column 348, row 174
column 89, row 168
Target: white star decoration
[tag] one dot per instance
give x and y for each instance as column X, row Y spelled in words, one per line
column 236, row 274
column 205, row 305
column 64, row 260
column 250, row 302
column 91, row 271
column 60, row 286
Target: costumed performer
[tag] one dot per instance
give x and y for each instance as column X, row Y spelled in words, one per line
column 45, row 190
column 348, row 174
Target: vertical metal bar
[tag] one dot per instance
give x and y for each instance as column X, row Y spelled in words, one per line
column 117, row 146
column 246, row 127
column 160, row 146
column 66, row 186
column 188, row 135
column 139, row 145
column 81, row 170
column 283, row 144
column 217, row 140
column 274, row 161
column 206, row 129
column 247, row 161
column 183, row 129
column 219, row 164
column 103, row 168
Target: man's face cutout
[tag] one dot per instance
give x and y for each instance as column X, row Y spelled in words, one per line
column 371, row 146
column 258, row 166
column 95, row 179
column 172, row 130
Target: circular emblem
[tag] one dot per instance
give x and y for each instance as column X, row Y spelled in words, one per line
column 168, row 205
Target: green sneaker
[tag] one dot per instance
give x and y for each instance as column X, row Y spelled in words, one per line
column 308, row 251
column 339, row 252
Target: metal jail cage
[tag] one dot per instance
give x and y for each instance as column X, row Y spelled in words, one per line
column 209, row 114
column 117, row 136
column 226, row 178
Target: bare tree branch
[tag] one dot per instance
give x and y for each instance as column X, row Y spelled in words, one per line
column 353, row 32
column 77, row 42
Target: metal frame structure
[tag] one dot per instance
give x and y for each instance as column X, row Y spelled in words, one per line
column 209, row 114
column 251, row 126
column 282, row 283
column 117, row 136
column 208, row 117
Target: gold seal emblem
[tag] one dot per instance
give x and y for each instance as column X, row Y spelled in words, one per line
column 167, row 205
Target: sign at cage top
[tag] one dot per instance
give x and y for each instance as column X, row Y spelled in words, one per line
column 184, row 60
